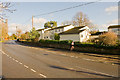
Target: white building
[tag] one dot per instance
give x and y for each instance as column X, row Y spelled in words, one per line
column 115, row 29
column 80, row 34
column 49, row 32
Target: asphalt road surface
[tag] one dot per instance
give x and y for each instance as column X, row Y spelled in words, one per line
column 19, row 61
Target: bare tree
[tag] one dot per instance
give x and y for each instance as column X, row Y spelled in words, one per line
column 5, row 7
column 81, row 19
column 66, row 23
column 19, row 33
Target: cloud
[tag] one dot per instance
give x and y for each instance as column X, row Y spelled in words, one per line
column 12, row 28
column 104, row 27
column 113, row 22
column 39, row 20
column 111, row 9
column 38, row 23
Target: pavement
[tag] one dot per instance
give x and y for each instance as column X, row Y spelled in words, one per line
column 20, row 61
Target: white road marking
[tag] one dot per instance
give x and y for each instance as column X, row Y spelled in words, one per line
column 7, row 55
column 13, row 59
column 43, row 75
column 20, row 63
column 3, row 53
column 10, row 57
column 23, row 65
column 26, row 66
column 95, row 71
column 32, row 70
column 16, row 60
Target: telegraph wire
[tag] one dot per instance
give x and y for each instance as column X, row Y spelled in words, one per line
column 63, row 9
column 67, row 8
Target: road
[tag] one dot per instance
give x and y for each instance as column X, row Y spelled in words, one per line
column 19, row 61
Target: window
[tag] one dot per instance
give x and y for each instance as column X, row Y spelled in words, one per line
column 55, row 30
column 81, row 35
column 118, row 29
column 59, row 30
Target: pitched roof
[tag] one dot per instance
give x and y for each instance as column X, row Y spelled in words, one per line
column 114, row 26
column 61, row 26
column 39, row 29
column 75, row 30
column 98, row 33
column 54, row 28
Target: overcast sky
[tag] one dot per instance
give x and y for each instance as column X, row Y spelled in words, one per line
column 102, row 14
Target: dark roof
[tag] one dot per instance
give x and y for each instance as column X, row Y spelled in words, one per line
column 114, row 26
column 74, row 30
column 98, row 33
column 39, row 29
column 61, row 26
column 54, row 28
column 58, row 27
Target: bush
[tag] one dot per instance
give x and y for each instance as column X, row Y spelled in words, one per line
column 83, row 47
column 18, row 40
column 97, row 46
column 109, row 38
column 56, row 36
column 34, row 35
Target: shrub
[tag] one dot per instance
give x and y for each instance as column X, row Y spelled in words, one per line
column 55, row 41
column 109, row 38
column 56, row 36
column 34, row 35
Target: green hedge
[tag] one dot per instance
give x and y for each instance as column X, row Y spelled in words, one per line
column 82, row 47
column 97, row 46
column 55, row 41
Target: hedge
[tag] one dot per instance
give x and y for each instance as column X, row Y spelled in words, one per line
column 82, row 47
column 55, row 41
column 97, row 46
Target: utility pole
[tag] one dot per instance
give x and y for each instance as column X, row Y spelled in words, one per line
column 32, row 22
column 16, row 31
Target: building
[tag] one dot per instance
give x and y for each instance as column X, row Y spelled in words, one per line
column 96, row 35
column 115, row 29
column 49, row 32
column 80, row 34
column 3, row 29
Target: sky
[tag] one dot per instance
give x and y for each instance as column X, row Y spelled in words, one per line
column 101, row 14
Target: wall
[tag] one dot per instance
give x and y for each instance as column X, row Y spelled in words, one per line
column 74, row 37
column 84, row 36
column 41, row 34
